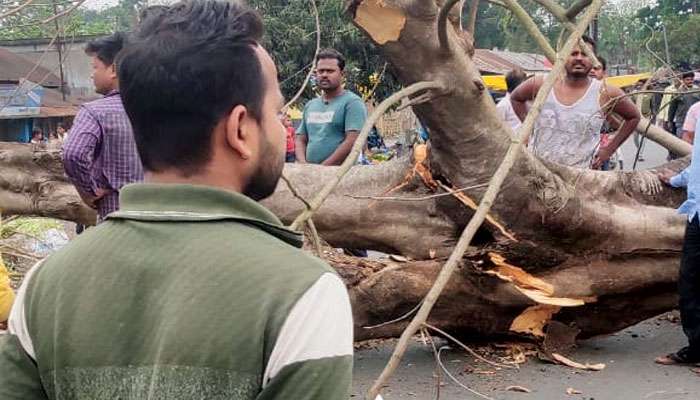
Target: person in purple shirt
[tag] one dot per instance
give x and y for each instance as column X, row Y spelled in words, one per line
column 100, row 155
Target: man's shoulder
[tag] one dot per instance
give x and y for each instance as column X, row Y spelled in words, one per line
column 695, row 108
column 107, row 104
column 314, row 102
column 350, row 96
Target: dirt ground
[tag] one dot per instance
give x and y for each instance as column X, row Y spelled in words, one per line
column 630, row 372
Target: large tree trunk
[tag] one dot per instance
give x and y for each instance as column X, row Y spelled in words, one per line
column 610, row 240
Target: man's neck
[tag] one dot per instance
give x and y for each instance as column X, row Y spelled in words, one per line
column 331, row 94
column 175, row 177
column 577, row 82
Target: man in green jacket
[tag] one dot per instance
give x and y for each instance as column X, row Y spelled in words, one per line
column 192, row 290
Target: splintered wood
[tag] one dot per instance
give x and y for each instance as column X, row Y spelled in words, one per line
column 535, row 288
column 533, row 320
column 382, row 22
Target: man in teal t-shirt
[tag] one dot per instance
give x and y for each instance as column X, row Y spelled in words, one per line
column 332, row 122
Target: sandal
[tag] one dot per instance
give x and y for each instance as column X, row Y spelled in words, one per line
column 682, row 357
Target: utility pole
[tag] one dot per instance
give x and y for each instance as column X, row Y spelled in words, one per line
column 593, row 30
column 668, row 56
column 59, row 49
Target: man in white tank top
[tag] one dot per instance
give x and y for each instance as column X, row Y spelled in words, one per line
column 568, row 128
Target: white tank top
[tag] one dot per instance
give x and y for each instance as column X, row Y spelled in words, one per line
column 569, row 135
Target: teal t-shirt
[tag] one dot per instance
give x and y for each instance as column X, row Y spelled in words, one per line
column 325, row 124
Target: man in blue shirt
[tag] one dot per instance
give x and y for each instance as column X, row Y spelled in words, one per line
column 689, row 277
column 332, row 122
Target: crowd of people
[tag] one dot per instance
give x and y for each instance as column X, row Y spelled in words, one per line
column 189, row 287
column 54, row 138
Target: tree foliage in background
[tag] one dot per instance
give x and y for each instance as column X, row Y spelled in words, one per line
column 681, row 19
column 624, row 26
column 83, row 21
column 291, row 39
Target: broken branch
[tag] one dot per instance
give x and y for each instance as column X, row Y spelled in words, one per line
column 450, row 192
column 442, row 24
column 531, row 28
column 311, row 71
column 576, row 8
column 482, row 211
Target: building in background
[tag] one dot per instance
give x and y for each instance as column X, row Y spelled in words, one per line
column 30, row 99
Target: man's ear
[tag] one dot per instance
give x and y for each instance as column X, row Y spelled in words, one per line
column 239, row 131
column 113, row 71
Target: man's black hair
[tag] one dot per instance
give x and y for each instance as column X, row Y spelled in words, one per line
column 590, row 41
column 185, row 69
column 689, row 74
column 327, row 54
column 603, row 63
column 106, row 48
column 514, row 78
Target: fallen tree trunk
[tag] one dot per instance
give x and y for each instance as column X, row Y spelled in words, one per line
column 602, row 243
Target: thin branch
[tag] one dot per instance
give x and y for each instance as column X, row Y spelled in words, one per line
column 576, row 8
column 473, row 11
column 442, row 24
column 296, row 73
column 311, row 71
column 467, row 348
column 555, row 9
column 559, row 13
column 497, row 3
column 36, row 65
column 63, row 13
column 420, row 99
column 425, row 332
column 423, row 198
column 310, row 223
column 616, row 99
column 463, row 386
column 16, row 9
column 531, row 28
column 376, row 84
column 395, row 320
column 294, row 191
column 357, row 147
column 649, row 40
column 315, row 236
column 482, row 211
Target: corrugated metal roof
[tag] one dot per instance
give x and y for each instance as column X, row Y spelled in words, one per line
column 527, row 61
column 52, row 105
column 501, row 62
column 14, row 67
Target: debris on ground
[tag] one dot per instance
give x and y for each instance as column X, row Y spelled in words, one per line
column 573, row 364
column 516, row 388
column 572, row 391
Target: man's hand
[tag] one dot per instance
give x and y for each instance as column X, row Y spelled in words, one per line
column 665, row 176
column 604, row 154
column 91, row 200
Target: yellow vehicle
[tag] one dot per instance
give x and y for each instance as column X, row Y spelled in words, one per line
column 497, row 83
column 7, row 296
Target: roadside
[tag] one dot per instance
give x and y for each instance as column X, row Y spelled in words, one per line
column 630, row 371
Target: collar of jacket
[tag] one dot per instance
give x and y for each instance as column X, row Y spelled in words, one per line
column 191, row 203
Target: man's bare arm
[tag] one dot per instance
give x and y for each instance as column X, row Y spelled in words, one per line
column 341, row 153
column 629, row 114
column 525, row 92
column 300, row 148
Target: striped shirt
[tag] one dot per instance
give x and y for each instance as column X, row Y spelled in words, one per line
column 100, row 152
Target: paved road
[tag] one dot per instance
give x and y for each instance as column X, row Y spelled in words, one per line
column 652, row 155
column 630, row 373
